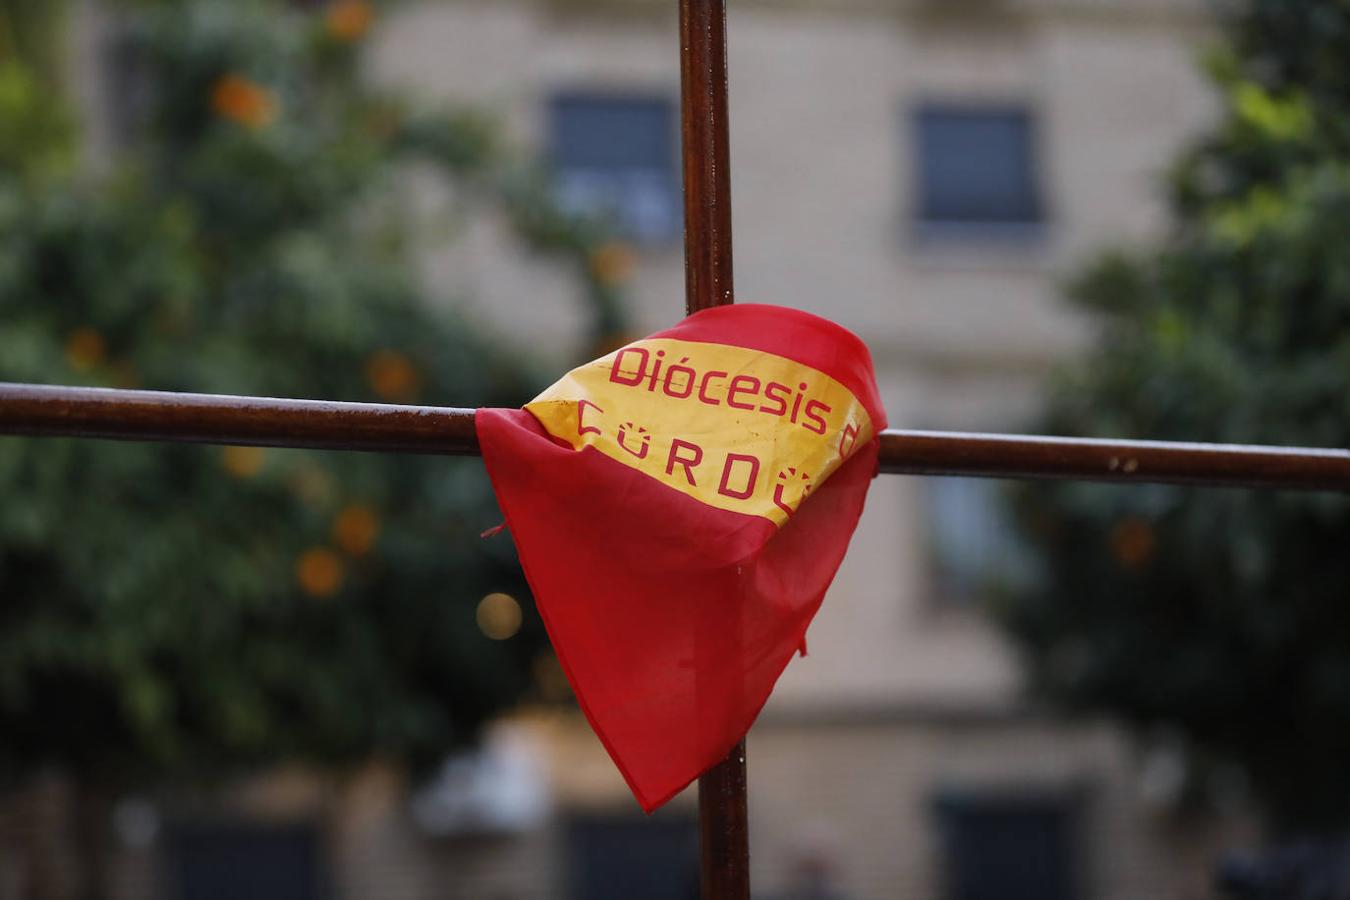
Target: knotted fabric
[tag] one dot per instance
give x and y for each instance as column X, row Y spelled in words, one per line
column 680, row 507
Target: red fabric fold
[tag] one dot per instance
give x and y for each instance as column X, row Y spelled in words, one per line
column 671, row 617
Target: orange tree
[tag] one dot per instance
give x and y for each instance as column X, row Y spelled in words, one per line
column 173, row 610
column 1219, row 617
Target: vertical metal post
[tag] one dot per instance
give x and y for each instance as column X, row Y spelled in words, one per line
column 707, row 168
column 724, row 833
column 723, row 825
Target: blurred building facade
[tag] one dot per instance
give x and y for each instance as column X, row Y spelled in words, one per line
column 924, row 173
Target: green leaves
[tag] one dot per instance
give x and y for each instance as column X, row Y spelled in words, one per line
column 1221, row 614
column 178, row 609
column 1272, row 118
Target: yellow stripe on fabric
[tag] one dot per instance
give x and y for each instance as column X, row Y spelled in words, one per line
column 737, row 429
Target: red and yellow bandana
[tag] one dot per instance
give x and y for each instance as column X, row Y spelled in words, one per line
column 680, row 507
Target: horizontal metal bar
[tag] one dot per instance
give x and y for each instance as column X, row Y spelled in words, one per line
column 1091, row 459
column 30, row 409
column 218, row 419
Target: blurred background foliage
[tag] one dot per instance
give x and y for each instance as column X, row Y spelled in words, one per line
column 1217, row 621
column 178, row 611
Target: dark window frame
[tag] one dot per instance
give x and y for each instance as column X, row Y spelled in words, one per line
column 612, row 855
column 226, row 856
column 642, row 177
column 1023, row 212
column 1058, row 815
column 964, row 570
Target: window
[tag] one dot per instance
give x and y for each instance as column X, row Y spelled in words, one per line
column 973, row 543
column 1008, row 846
column 221, row 861
column 615, row 157
column 976, row 168
column 623, row 857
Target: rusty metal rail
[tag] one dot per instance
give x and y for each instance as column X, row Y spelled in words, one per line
column 1091, row 459
column 724, row 826
column 222, row 419
column 260, row 421
column 46, row 410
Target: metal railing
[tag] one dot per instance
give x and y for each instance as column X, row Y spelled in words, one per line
column 50, row 411
column 43, row 410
